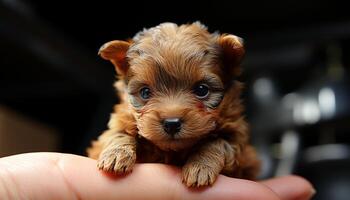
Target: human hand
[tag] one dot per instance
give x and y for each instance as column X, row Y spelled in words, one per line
column 65, row 176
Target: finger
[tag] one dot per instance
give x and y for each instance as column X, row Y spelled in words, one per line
column 153, row 181
column 77, row 177
column 291, row 187
column 33, row 176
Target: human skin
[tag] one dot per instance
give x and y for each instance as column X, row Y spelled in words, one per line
column 66, row 176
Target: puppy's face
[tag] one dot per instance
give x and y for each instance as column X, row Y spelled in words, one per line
column 174, row 98
column 175, row 80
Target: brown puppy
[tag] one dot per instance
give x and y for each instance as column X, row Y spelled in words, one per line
column 180, row 104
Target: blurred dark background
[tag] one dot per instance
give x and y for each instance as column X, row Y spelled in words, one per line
column 56, row 94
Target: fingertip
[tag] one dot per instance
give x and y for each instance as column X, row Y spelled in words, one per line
column 226, row 188
column 291, row 187
column 306, row 189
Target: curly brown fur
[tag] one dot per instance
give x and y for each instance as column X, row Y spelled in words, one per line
column 171, row 61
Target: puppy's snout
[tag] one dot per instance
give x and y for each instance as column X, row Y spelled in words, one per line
column 172, row 125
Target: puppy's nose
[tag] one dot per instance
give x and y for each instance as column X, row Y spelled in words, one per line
column 172, row 125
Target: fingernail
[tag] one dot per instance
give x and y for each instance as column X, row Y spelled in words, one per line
column 312, row 193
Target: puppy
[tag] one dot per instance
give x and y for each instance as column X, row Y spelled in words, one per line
column 179, row 104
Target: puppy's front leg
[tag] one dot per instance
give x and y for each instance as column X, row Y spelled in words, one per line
column 204, row 165
column 118, row 153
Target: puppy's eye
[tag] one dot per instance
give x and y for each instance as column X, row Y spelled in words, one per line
column 201, row 91
column 145, row 93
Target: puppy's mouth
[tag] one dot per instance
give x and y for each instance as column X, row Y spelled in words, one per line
column 175, row 144
column 178, row 132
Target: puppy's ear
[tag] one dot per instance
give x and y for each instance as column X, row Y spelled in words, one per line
column 232, row 53
column 115, row 51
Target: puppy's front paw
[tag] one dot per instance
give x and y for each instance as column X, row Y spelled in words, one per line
column 117, row 160
column 197, row 175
